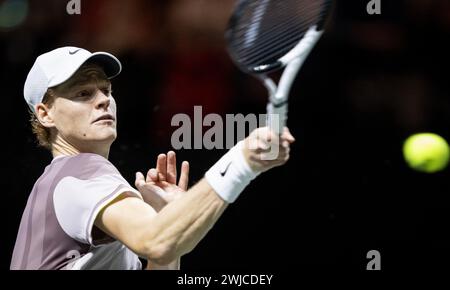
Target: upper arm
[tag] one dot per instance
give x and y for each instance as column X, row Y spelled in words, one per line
column 126, row 219
column 77, row 200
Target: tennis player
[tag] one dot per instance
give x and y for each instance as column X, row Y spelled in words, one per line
column 81, row 213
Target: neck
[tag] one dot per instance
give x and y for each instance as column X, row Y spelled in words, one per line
column 65, row 148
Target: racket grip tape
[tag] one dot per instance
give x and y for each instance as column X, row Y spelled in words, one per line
column 277, row 117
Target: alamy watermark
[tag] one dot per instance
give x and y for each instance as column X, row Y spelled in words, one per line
column 374, row 257
column 73, row 7
column 374, row 7
column 222, row 134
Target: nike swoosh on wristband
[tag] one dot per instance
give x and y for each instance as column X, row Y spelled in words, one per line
column 226, row 169
column 73, row 52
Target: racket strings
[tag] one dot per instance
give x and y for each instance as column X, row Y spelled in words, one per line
column 272, row 45
column 277, row 18
column 265, row 34
column 284, row 30
column 265, row 30
column 257, row 55
column 286, row 36
column 243, row 31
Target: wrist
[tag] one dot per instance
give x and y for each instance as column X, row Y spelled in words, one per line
column 231, row 174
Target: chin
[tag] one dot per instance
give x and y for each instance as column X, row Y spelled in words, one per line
column 111, row 137
column 106, row 137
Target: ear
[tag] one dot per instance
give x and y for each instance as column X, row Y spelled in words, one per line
column 44, row 115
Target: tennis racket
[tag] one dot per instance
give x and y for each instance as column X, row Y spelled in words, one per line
column 268, row 35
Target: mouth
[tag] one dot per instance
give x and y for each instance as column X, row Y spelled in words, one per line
column 106, row 117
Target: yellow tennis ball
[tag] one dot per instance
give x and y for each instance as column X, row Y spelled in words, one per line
column 426, row 152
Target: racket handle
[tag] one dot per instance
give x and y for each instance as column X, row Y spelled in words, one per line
column 277, row 117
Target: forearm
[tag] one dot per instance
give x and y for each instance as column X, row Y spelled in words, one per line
column 179, row 226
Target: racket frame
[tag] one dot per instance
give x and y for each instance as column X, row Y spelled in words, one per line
column 277, row 108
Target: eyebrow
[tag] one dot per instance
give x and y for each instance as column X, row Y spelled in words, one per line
column 73, row 86
column 99, row 83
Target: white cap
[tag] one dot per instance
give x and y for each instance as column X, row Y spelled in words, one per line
column 57, row 66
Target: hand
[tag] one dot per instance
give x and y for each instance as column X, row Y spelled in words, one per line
column 159, row 187
column 262, row 143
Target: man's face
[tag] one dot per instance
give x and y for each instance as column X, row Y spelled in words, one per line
column 84, row 111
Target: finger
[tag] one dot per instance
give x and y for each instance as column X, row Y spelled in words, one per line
column 252, row 143
column 140, row 181
column 184, row 176
column 288, row 136
column 263, row 145
column 283, row 151
column 161, row 167
column 282, row 156
column 267, row 135
column 171, row 167
column 286, row 159
column 152, row 175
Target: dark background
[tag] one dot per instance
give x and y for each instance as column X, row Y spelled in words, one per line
column 370, row 82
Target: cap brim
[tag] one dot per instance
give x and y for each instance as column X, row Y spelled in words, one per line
column 110, row 64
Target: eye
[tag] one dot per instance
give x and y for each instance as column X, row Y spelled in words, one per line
column 107, row 91
column 84, row 94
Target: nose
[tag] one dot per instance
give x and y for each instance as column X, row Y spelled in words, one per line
column 103, row 101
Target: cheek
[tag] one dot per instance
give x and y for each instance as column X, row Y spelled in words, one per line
column 73, row 121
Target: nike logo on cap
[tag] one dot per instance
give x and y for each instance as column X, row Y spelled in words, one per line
column 73, row 52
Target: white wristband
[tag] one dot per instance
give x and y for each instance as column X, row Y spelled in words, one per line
column 231, row 174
